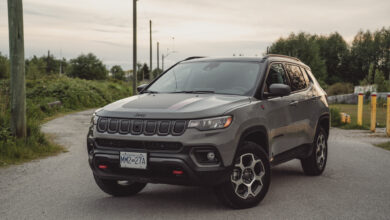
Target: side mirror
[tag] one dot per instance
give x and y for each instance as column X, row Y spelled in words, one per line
column 279, row 90
column 141, row 87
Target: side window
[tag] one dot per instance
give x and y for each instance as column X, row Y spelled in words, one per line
column 297, row 79
column 276, row 74
column 306, row 75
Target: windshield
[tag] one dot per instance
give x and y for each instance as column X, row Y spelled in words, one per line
column 222, row 77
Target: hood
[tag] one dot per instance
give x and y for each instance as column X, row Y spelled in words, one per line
column 172, row 106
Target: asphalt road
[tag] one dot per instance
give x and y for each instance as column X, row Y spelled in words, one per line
column 355, row 184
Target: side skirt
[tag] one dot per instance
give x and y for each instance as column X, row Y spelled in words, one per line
column 301, row 151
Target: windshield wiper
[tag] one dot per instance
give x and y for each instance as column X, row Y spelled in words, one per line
column 196, row 91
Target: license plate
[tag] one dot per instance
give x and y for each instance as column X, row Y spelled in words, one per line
column 133, row 160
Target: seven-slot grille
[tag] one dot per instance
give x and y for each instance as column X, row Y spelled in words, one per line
column 140, row 126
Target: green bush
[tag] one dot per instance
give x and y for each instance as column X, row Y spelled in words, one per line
column 340, row 88
column 335, row 117
column 74, row 93
column 4, row 67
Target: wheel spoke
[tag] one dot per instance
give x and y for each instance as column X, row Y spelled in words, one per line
column 250, row 192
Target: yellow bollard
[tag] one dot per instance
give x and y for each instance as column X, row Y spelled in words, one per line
column 360, row 110
column 373, row 112
column 388, row 116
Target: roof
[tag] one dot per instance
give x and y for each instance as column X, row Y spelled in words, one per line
column 268, row 57
column 243, row 59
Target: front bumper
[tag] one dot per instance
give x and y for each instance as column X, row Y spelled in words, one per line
column 160, row 166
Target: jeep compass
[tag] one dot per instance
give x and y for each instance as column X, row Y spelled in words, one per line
column 213, row 122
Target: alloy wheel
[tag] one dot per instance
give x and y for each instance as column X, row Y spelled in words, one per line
column 247, row 176
column 321, row 150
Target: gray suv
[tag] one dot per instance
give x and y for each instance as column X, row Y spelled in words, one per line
column 217, row 122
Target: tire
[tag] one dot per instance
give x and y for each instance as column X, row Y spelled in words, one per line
column 119, row 188
column 315, row 164
column 234, row 193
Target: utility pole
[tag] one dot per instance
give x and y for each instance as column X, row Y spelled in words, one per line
column 158, row 55
column 18, row 86
column 134, row 46
column 162, row 62
column 151, row 51
column 163, row 56
column 61, row 61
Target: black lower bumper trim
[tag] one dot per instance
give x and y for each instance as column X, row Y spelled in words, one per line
column 160, row 170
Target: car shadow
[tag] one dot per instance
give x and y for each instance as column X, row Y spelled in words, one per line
column 165, row 197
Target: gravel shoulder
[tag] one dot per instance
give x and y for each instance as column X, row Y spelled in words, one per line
column 355, row 185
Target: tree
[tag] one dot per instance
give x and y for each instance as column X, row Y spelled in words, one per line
column 142, row 71
column 52, row 64
column 87, row 67
column 363, row 54
column 156, row 72
column 382, row 84
column 117, row 72
column 334, row 51
column 304, row 47
column 4, row 67
column 35, row 67
column 382, row 39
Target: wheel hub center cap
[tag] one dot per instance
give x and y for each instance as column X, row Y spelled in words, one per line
column 247, row 175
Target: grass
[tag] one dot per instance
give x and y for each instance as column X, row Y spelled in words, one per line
column 352, row 111
column 20, row 151
column 385, row 145
column 74, row 94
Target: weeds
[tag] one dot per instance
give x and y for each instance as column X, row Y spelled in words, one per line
column 74, row 94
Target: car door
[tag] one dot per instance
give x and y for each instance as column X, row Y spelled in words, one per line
column 276, row 110
column 313, row 109
column 298, row 107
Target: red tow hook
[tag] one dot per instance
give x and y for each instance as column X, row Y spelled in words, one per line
column 177, row 172
column 102, row 166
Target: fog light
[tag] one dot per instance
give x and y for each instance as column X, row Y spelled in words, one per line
column 210, row 156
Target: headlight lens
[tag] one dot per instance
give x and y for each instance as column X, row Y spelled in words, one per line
column 94, row 119
column 211, row 123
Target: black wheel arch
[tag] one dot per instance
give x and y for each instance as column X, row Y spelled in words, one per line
column 324, row 122
column 257, row 134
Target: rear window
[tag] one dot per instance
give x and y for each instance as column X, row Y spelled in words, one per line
column 297, row 80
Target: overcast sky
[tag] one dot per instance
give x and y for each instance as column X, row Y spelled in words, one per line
column 189, row 27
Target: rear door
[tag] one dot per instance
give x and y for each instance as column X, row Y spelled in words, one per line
column 312, row 105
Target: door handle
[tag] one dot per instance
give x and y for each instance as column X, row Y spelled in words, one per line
column 293, row 103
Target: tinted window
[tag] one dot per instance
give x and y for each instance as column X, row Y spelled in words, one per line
column 238, row 78
column 276, row 74
column 306, row 74
column 297, row 80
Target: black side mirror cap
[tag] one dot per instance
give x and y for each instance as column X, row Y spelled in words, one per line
column 278, row 89
column 141, row 87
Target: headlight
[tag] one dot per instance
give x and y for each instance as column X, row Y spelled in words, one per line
column 94, row 119
column 211, row 123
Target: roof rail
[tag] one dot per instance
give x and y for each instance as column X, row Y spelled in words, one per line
column 192, row 58
column 280, row 55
